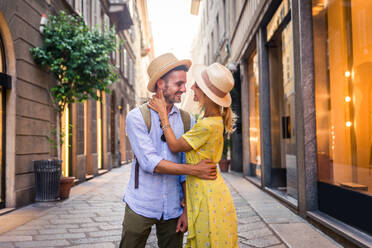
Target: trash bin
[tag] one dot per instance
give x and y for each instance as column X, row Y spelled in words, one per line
column 47, row 178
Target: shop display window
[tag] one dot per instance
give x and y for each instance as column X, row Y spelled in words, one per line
column 343, row 85
column 254, row 117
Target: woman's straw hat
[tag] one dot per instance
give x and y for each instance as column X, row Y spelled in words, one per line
column 161, row 65
column 216, row 81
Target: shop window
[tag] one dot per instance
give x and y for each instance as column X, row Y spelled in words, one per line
column 343, row 83
column 343, row 94
column 282, row 104
column 254, row 117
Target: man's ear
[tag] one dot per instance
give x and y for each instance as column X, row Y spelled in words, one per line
column 160, row 83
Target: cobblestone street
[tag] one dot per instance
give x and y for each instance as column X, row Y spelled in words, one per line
column 93, row 215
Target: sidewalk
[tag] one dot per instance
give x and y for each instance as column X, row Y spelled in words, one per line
column 92, row 218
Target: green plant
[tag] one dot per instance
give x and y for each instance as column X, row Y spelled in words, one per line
column 57, row 138
column 77, row 57
column 79, row 60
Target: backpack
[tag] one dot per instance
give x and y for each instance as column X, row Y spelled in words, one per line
column 145, row 111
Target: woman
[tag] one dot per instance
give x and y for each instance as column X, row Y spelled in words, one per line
column 211, row 213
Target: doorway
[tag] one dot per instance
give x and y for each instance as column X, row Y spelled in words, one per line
column 282, row 104
column 66, row 130
column 2, row 128
column 113, row 129
column 99, row 108
column 122, row 133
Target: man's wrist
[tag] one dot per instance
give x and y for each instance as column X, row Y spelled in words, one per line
column 191, row 169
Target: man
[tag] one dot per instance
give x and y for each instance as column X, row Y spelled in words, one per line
column 153, row 195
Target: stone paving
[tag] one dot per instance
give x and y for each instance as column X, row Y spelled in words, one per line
column 93, row 215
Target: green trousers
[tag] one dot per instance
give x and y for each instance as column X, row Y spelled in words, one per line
column 136, row 230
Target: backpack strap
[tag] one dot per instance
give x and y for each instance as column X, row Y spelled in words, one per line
column 146, row 115
column 145, row 111
column 186, row 120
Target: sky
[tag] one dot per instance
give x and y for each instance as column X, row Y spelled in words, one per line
column 173, row 27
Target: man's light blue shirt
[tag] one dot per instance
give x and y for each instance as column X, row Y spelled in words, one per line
column 157, row 195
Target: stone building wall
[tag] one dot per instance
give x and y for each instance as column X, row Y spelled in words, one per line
column 30, row 116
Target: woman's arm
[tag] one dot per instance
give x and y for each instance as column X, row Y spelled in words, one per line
column 174, row 144
column 158, row 104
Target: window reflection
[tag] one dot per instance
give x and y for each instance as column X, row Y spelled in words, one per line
column 343, row 82
column 254, row 117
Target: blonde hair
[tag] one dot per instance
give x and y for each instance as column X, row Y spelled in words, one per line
column 229, row 119
column 228, row 116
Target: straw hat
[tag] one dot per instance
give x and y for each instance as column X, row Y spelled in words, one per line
column 216, row 81
column 161, row 65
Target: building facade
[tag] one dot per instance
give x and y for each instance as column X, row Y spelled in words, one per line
column 303, row 96
column 144, row 51
column 98, row 141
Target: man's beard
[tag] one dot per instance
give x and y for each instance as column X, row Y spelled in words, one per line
column 170, row 98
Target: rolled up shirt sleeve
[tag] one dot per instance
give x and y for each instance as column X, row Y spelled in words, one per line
column 141, row 142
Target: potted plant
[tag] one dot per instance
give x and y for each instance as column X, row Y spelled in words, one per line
column 65, row 185
column 78, row 58
column 225, row 162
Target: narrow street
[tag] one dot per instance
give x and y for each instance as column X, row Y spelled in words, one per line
column 93, row 214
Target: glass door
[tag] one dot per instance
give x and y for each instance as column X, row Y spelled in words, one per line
column 282, row 101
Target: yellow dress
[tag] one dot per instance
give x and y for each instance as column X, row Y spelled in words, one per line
column 211, row 213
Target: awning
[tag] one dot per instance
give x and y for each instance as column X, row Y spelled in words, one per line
column 119, row 12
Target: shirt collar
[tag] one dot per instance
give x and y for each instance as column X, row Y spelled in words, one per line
column 174, row 110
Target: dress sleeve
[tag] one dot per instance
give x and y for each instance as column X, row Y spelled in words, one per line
column 198, row 135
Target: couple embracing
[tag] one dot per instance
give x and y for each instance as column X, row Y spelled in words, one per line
column 162, row 136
